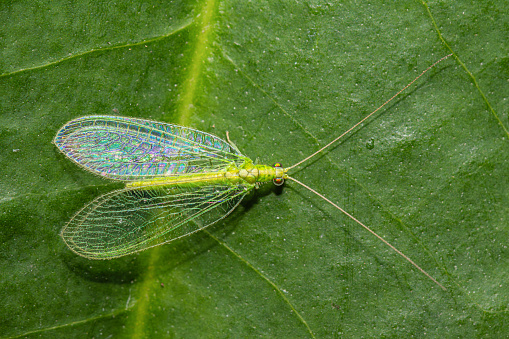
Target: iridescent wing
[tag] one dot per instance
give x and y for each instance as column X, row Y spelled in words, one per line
column 131, row 149
column 130, row 220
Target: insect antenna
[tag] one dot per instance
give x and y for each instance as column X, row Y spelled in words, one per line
column 342, row 210
column 369, row 115
column 369, row 230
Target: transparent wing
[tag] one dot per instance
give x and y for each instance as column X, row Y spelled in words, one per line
column 130, row 149
column 131, row 220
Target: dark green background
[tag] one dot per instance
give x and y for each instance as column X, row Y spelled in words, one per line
column 283, row 78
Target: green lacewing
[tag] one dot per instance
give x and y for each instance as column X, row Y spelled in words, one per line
column 178, row 180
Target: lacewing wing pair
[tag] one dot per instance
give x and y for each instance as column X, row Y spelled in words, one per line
column 178, row 180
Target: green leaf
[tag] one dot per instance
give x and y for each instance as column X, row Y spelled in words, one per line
column 428, row 173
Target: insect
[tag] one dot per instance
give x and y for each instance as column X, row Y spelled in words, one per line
column 178, row 180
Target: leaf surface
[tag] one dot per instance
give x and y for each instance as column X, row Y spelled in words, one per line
column 428, row 173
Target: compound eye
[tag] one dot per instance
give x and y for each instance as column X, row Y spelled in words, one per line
column 278, row 181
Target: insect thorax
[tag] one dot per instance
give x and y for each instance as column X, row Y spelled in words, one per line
column 251, row 173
